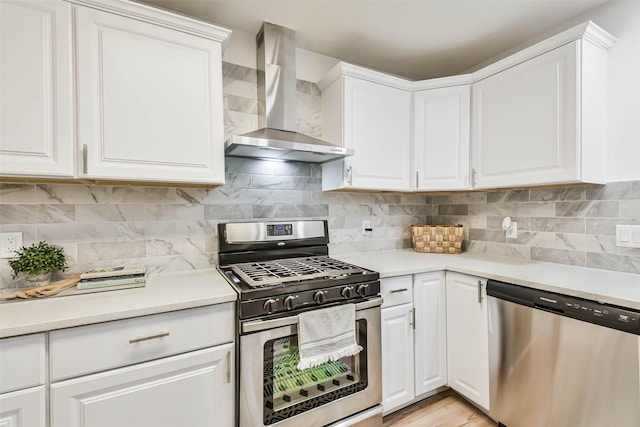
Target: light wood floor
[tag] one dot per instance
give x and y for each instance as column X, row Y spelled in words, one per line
column 445, row 409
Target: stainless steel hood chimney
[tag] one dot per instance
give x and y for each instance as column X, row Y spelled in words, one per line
column 277, row 99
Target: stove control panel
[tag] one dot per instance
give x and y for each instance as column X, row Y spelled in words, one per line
column 293, row 302
column 277, row 230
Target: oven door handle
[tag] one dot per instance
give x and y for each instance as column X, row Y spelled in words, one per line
column 262, row 325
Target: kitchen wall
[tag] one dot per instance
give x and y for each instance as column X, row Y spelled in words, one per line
column 567, row 225
column 171, row 229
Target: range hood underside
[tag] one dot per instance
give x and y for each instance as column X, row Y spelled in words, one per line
column 273, row 144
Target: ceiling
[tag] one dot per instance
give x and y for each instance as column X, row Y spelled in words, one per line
column 415, row 39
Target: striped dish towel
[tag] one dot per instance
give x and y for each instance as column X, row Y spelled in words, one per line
column 327, row 334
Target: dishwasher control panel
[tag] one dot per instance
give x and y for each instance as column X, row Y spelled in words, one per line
column 620, row 318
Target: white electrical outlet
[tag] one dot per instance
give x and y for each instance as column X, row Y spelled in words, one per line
column 9, row 243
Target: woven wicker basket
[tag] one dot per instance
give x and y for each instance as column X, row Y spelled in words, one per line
column 438, row 239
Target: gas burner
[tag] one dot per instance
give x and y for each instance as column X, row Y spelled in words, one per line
column 257, row 274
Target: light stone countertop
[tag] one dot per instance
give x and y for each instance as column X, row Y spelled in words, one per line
column 600, row 285
column 163, row 292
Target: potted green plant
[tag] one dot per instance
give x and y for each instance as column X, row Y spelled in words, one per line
column 37, row 262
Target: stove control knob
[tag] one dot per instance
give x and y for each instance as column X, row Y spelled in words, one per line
column 270, row 305
column 347, row 292
column 319, row 297
column 362, row 290
column 290, row 302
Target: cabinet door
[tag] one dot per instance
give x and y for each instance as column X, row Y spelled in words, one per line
column 36, row 110
column 441, row 138
column 149, row 101
column 525, row 127
column 467, row 337
column 397, row 356
column 24, row 408
column 430, row 335
column 192, row 389
column 377, row 125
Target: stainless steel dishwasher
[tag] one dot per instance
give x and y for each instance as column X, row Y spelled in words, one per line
column 561, row 361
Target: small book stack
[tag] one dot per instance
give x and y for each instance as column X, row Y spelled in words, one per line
column 110, row 278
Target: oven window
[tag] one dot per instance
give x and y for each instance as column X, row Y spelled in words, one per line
column 288, row 391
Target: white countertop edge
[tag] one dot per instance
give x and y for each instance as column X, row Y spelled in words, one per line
column 163, row 292
column 616, row 288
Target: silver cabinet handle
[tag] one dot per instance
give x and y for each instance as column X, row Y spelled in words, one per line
column 479, row 291
column 150, row 337
column 413, row 318
column 85, row 156
column 417, row 180
column 394, row 291
column 350, row 175
column 473, row 177
column 228, row 367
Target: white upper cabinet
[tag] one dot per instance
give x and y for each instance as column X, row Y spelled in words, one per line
column 539, row 116
column 150, row 102
column 371, row 113
column 441, row 135
column 36, row 89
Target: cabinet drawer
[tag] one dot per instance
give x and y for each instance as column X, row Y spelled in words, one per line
column 22, row 362
column 396, row 290
column 93, row 348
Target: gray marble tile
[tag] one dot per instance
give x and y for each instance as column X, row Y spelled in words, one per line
column 237, row 119
column 75, row 232
column 604, row 261
column 487, row 235
column 102, row 251
column 535, row 239
column 269, row 197
column 524, row 209
column 587, row 209
column 564, row 225
column 55, row 214
column 452, row 209
column 358, row 209
column 18, row 214
column 559, row 256
column 17, row 193
column 460, row 198
column 239, row 88
column 239, row 72
column 290, row 211
column 270, row 182
column 266, row 167
column 106, row 213
column 175, row 246
column 607, row 226
column 630, row 209
column 309, row 88
column 224, row 212
column 241, row 104
column 587, row 243
column 498, row 249
column 412, row 210
column 508, row 196
column 548, row 194
column 175, row 212
column 614, row 191
column 415, row 199
column 630, row 264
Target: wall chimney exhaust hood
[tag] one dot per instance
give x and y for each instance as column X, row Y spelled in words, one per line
column 277, row 99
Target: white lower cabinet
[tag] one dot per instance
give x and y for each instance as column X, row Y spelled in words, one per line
column 24, row 408
column 192, row 389
column 467, row 337
column 22, row 379
column 413, row 338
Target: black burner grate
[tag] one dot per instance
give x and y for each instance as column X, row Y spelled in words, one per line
column 267, row 273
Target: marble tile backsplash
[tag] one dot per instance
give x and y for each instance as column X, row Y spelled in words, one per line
column 567, row 225
column 171, row 229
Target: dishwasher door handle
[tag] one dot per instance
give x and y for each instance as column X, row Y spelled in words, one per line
column 479, row 291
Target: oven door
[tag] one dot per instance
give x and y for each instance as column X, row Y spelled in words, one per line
column 273, row 392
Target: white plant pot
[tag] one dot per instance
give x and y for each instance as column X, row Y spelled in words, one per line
column 41, row 279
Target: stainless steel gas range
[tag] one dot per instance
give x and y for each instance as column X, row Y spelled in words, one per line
column 281, row 269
